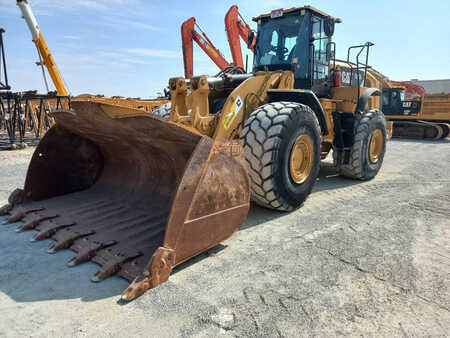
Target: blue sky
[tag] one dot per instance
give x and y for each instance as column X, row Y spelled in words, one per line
column 132, row 47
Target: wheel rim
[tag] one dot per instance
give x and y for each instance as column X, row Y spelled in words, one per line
column 376, row 146
column 301, row 159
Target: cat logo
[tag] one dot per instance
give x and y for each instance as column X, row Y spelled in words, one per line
column 235, row 108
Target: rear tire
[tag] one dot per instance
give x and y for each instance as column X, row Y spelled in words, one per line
column 282, row 178
column 365, row 162
column 163, row 110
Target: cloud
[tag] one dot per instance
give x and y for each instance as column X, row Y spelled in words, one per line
column 152, row 52
column 112, row 20
column 142, row 25
column 48, row 7
column 95, row 4
column 72, row 37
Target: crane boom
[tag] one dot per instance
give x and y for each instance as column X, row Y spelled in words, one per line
column 42, row 47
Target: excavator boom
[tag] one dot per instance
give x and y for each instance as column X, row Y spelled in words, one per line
column 188, row 35
column 236, row 27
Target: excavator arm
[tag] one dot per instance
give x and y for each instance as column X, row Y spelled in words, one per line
column 42, row 47
column 236, row 27
column 188, row 35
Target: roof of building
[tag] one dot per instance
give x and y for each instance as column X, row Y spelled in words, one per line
column 434, row 86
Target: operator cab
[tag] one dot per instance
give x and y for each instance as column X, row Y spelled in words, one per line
column 394, row 103
column 297, row 39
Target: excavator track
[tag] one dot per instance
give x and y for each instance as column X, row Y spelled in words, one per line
column 421, row 129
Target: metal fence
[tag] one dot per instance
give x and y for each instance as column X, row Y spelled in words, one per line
column 25, row 117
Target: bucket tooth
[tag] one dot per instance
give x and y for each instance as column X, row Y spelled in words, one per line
column 6, row 209
column 111, row 268
column 68, row 241
column 47, row 233
column 32, row 224
column 89, row 253
column 136, row 288
column 15, row 217
column 19, row 215
column 157, row 271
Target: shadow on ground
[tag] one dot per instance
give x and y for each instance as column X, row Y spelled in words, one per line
column 28, row 273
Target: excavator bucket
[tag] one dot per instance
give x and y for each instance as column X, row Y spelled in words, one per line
column 134, row 193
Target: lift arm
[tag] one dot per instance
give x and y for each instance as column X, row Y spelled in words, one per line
column 236, row 27
column 42, row 47
column 188, row 35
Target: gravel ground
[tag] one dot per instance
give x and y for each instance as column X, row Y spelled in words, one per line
column 360, row 258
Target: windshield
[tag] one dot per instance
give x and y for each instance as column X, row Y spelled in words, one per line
column 277, row 40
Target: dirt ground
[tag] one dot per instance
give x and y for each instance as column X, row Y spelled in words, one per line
column 359, row 258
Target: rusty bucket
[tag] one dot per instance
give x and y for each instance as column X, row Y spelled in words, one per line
column 131, row 192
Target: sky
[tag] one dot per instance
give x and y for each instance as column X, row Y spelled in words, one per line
column 132, row 47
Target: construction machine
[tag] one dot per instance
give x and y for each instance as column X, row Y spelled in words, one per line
column 412, row 91
column 139, row 195
column 189, row 34
column 413, row 112
column 235, row 26
column 45, row 56
column 427, row 116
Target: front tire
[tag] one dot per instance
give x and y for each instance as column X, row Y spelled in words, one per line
column 369, row 147
column 282, row 146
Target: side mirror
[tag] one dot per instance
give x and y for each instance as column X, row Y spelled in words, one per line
column 328, row 26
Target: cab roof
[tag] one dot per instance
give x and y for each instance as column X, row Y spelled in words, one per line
column 293, row 9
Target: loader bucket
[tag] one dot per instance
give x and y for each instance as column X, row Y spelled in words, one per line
column 131, row 192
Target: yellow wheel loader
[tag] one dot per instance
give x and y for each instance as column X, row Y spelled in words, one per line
column 139, row 194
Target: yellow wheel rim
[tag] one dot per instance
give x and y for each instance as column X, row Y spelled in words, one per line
column 376, row 146
column 301, row 159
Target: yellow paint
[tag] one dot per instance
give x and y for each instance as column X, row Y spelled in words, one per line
column 49, row 62
column 229, row 118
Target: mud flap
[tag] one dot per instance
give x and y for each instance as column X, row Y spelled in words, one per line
column 131, row 192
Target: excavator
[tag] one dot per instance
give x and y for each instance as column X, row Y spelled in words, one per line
column 412, row 91
column 235, row 26
column 190, row 34
column 413, row 112
column 139, row 194
column 427, row 116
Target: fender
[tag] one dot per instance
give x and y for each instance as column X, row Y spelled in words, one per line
column 303, row 96
column 362, row 102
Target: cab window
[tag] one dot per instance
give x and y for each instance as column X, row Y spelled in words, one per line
column 319, row 50
column 277, row 40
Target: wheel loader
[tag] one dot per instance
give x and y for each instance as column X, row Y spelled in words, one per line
column 140, row 194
